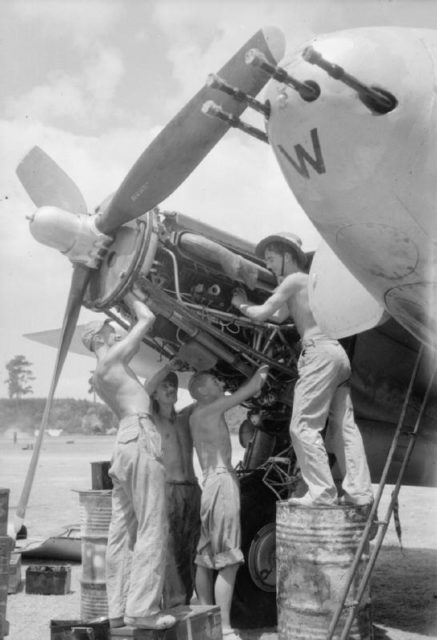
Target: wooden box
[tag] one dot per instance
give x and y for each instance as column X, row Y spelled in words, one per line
column 48, row 580
column 193, row 622
column 67, row 629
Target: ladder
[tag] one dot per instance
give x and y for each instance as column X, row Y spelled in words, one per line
column 382, row 524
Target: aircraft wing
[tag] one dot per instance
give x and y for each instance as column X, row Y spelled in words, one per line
column 145, row 363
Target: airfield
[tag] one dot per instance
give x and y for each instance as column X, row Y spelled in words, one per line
column 403, row 586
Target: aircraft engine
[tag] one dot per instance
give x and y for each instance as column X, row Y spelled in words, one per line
column 186, row 271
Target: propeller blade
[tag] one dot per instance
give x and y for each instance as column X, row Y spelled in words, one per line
column 189, row 136
column 47, row 184
column 79, row 283
column 339, row 302
column 144, row 363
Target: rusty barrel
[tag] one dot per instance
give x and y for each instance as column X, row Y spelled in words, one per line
column 95, row 517
column 315, row 547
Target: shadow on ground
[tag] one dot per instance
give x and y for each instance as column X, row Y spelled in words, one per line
column 404, row 591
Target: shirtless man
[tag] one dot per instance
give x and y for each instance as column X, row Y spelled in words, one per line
column 182, row 487
column 219, row 544
column 322, row 390
column 139, row 521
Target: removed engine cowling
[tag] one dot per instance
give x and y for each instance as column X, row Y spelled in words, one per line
column 187, row 271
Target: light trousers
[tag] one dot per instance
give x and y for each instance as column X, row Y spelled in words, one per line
column 322, row 393
column 137, row 539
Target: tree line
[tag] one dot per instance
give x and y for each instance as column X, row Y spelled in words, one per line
column 24, row 414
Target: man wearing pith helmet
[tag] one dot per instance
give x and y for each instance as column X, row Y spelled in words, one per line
column 135, row 554
column 322, row 390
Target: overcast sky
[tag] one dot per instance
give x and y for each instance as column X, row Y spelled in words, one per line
column 92, row 82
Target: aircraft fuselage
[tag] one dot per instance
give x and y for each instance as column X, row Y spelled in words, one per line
column 367, row 180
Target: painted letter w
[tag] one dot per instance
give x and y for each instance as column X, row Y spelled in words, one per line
column 303, row 157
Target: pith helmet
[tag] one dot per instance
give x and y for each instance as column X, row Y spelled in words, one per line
column 289, row 240
column 172, row 379
column 91, row 330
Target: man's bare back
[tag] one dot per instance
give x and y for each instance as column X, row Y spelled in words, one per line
column 117, row 385
column 294, row 290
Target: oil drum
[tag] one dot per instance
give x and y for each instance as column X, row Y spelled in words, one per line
column 315, row 547
column 95, row 517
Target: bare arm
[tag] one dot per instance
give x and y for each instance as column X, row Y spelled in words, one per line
column 153, row 383
column 130, row 344
column 273, row 308
column 247, row 390
column 280, row 315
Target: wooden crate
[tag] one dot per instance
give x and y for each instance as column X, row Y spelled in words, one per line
column 193, row 622
column 48, row 580
column 65, row 629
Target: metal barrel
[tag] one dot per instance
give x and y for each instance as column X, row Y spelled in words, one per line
column 95, row 517
column 315, row 548
column 100, row 478
column 6, row 544
column 4, row 506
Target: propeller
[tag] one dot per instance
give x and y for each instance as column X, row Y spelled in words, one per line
column 188, row 137
column 47, row 184
column 79, row 283
column 162, row 167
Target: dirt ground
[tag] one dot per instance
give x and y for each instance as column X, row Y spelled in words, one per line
column 403, row 585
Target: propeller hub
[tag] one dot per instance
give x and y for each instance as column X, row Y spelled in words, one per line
column 74, row 235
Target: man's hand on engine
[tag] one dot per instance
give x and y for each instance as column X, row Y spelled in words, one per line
column 239, row 297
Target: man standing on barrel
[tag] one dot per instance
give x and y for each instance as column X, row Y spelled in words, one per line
column 322, row 391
